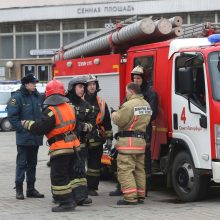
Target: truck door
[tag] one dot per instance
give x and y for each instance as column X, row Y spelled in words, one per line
column 148, row 59
column 190, row 112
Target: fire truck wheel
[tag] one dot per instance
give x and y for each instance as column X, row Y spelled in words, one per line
column 187, row 183
column 6, row 125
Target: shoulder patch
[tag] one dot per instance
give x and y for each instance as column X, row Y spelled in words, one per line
column 13, row 102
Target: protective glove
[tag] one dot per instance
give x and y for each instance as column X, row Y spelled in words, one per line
column 113, row 153
column 79, row 165
column 108, row 144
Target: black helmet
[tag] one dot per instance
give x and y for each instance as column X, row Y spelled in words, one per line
column 92, row 78
column 76, row 80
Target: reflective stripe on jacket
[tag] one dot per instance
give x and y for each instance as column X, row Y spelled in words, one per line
column 101, row 114
column 65, row 122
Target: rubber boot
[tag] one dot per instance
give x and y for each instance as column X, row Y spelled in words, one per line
column 85, row 201
column 32, row 192
column 67, row 206
column 117, row 191
column 19, row 191
column 92, row 192
column 124, row 202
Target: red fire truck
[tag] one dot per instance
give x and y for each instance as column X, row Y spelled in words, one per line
column 185, row 73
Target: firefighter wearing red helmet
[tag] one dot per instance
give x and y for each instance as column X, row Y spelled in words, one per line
column 100, row 135
column 58, row 124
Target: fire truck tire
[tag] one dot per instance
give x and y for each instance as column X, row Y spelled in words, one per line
column 187, row 182
column 6, row 125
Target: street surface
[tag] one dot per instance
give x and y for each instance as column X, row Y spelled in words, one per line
column 161, row 203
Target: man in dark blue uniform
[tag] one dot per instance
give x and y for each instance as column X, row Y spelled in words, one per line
column 26, row 104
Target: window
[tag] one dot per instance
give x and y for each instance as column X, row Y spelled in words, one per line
column 198, row 96
column 214, row 70
column 97, row 23
column 27, row 69
column 49, row 41
column 25, row 43
column 6, row 47
column 202, row 17
column 147, row 62
column 73, row 24
column 26, row 27
column 71, row 37
column 49, row 26
column 6, row 28
column 42, row 73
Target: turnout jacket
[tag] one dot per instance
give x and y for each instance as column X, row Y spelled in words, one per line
column 24, row 105
column 103, row 120
column 58, row 123
column 134, row 115
column 84, row 117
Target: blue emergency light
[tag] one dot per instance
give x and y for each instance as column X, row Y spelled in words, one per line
column 214, row 38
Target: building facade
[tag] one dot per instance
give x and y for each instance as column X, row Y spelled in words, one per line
column 30, row 31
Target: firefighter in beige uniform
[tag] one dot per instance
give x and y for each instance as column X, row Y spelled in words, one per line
column 132, row 119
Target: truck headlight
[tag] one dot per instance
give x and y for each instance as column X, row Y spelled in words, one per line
column 217, row 141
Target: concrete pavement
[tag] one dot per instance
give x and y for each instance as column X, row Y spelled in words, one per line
column 161, row 204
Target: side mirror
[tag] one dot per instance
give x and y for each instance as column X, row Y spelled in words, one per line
column 185, row 80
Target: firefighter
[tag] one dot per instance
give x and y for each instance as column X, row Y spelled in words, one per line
column 100, row 135
column 58, row 124
column 85, row 120
column 132, row 120
column 138, row 76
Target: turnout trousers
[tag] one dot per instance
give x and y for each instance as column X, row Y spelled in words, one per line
column 79, row 183
column 61, row 175
column 94, row 166
column 131, row 176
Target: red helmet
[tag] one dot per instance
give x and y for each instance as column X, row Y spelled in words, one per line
column 55, row 87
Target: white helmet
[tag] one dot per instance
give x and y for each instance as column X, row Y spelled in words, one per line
column 92, row 78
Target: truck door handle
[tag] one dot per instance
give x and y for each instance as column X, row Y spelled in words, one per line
column 175, row 121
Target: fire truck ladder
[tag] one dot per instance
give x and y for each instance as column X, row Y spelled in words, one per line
column 200, row 30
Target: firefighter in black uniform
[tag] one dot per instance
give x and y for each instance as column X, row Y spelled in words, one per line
column 58, row 123
column 84, row 116
column 100, row 135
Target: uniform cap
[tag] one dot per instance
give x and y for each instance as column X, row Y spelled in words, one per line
column 29, row 78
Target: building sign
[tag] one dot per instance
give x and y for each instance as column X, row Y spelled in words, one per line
column 43, row 52
column 89, row 9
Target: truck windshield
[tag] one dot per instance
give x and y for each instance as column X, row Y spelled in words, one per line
column 214, row 69
column 4, row 97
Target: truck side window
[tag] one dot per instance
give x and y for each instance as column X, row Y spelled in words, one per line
column 198, row 96
column 147, row 62
column 199, row 87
